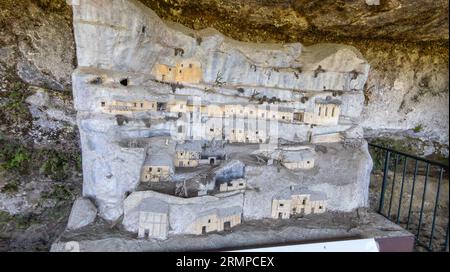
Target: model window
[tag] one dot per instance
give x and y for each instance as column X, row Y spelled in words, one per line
column 284, row 117
column 103, row 104
column 142, row 105
column 307, row 162
column 159, row 170
column 135, row 104
column 241, row 184
column 320, row 110
column 281, row 205
column 209, row 220
column 150, row 169
column 326, row 111
column 320, row 207
column 257, row 132
column 304, row 201
column 332, row 112
column 211, row 129
column 190, row 65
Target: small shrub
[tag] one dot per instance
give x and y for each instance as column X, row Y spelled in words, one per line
column 418, row 128
column 15, row 158
column 56, row 166
column 59, row 193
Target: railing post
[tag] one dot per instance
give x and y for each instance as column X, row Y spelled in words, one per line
column 430, row 244
column 383, row 185
column 412, row 193
column 423, row 200
column 401, row 190
column 393, row 184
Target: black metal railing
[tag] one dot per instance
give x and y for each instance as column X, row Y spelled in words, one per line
column 414, row 193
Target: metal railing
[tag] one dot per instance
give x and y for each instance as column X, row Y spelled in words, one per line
column 413, row 193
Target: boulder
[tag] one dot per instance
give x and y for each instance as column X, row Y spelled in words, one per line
column 83, row 213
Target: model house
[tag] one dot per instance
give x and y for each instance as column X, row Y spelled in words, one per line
column 188, row 154
column 285, row 114
column 125, row 107
column 220, row 219
column 153, row 219
column 237, row 184
column 334, row 137
column 177, row 106
column 326, row 112
column 158, row 167
column 297, row 201
column 301, row 159
column 186, row 71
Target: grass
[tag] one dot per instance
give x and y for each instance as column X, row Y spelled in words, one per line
column 418, row 128
column 59, row 192
column 23, row 160
column 13, row 157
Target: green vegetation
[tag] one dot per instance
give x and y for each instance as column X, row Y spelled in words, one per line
column 59, row 192
column 418, row 128
column 15, row 98
column 11, row 187
column 13, row 157
column 20, row 221
column 56, row 164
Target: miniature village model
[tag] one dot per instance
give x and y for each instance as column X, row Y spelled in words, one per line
column 189, row 132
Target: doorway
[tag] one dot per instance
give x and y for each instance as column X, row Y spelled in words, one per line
column 212, row 161
column 204, row 230
column 227, row 226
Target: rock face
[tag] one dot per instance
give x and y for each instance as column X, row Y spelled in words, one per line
column 39, row 47
column 83, row 213
column 306, row 19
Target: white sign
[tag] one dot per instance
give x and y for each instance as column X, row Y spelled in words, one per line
column 361, row 245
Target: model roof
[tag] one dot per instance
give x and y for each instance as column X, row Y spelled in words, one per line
column 159, row 157
column 154, row 205
column 293, row 191
column 222, row 212
column 328, row 100
column 192, row 146
column 297, row 155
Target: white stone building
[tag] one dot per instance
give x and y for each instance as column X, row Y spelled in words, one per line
column 153, row 219
column 296, row 200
